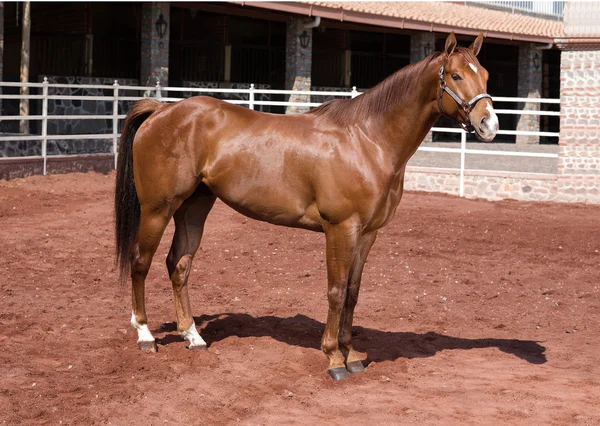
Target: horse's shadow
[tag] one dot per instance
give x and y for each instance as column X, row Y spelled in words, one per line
column 306, row 332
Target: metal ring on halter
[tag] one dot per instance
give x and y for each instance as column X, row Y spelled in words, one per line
column 466, row 106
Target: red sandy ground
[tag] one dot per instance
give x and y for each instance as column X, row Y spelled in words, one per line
column 471, row 312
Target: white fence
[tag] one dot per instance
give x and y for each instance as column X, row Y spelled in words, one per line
column 158, row 91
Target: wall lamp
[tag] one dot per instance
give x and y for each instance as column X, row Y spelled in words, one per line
column 304, row 39
column 161, row 28
column 536, row 61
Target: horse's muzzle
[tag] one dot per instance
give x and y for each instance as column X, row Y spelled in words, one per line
column 486, row 126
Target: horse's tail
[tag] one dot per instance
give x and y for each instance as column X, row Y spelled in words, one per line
column 127, row 204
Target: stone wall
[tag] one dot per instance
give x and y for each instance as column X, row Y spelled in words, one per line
column 496, row 185
column 13, row 168
column 490, row 185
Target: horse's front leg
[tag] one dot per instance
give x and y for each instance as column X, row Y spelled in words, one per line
column 353, row 361
column 341, row 244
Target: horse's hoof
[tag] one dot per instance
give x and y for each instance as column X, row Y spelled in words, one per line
column 198, row 347
column 147, row 346
column 355, row 367
column 338, row 373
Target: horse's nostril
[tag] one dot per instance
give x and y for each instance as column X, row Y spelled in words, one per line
column 483, row 122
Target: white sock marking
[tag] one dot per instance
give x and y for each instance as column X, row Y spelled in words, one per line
column 192, row 335
column 473, row 67
column 143, row 331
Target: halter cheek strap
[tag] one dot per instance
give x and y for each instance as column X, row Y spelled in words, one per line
column 466, row 106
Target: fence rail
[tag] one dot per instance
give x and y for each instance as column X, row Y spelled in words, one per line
column 251, row 102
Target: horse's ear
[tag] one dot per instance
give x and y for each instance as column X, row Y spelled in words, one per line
column 450, row 44
column 476, row 46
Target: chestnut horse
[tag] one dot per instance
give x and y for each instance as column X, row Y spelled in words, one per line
column 338, row 169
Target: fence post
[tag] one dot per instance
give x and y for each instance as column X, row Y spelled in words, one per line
column 463, row 147
column 45, row 121
column 158, row 95
column 354, row 92
column 115, row 119
column 251, row 97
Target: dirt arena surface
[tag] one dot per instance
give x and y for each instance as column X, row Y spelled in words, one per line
column 471, row 312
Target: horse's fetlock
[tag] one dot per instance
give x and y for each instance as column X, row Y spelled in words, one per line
column 345, row 345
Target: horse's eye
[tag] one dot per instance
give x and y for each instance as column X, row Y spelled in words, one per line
column 456, row 77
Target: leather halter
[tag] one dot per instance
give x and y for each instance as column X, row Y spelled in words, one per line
column 466, row 106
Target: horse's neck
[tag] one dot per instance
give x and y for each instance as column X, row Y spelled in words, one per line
column 405, row 124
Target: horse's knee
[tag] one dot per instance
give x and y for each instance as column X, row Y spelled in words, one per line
column 336, row 297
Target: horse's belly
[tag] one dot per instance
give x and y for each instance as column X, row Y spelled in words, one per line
column 271, row 204
column 266, row 180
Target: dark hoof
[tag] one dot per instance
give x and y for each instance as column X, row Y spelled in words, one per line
column 148, row 346
column 201, row 347
column 355, row 367
column 338, row 373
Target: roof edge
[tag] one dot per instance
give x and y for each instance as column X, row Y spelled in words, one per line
column 578, row 43
column 385, row 21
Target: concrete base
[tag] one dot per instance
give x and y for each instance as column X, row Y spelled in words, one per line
column 20, row 167
column 497, row 185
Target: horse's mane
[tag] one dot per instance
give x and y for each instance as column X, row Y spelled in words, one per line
column 395, row 89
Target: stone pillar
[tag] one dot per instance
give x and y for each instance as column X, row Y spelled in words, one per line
column 529, row 86
column 579, row 141
column 155, row 50
column 419, row 43
column 298, row 63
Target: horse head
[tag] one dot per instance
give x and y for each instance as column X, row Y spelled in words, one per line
column 463, row 85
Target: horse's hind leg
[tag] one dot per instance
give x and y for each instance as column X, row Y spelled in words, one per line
column 152, row 225
column 353, row 362
column 189, row 226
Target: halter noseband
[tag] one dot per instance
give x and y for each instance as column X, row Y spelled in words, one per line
column 466, row 106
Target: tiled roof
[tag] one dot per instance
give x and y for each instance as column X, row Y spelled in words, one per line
column 454, row 15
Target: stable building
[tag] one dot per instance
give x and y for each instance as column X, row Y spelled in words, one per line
column 544, row 49
column 329, row 46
